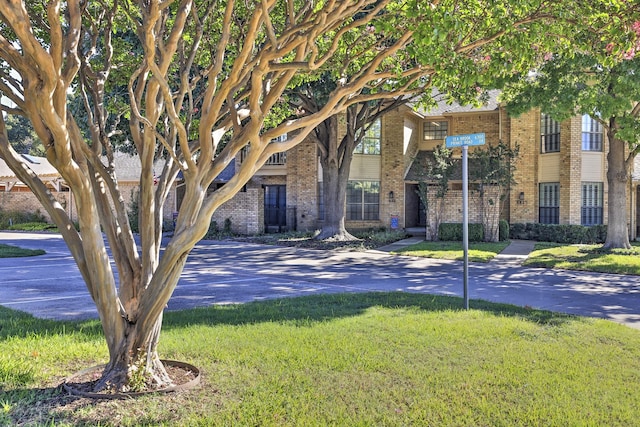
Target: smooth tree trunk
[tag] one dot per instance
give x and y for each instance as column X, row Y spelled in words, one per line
column 134, row 365
column 617, row 180
column 335, row 159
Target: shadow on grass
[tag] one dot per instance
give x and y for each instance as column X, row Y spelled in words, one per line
column 319, row 308
column 43, row 406
column 314, row 308
column 14, row 323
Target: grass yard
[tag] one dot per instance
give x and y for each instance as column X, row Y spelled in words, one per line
column 347, row 360
column 9, row 251
column 586, row 257
column 478, row 251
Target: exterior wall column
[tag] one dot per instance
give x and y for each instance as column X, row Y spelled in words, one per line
column 302, row 186
column 392, row 169
column 524, row 132
column 571, row 171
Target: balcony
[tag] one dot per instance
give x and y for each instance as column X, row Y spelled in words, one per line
column 277, row 159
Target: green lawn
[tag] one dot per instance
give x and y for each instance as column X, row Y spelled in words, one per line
column 478, row 251
column 9, row 251
column 390, row 359
column 586, row 257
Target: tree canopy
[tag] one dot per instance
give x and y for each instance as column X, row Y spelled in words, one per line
column 601, row 82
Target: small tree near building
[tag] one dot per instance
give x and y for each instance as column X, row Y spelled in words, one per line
column 491, row 171
column 433, row 187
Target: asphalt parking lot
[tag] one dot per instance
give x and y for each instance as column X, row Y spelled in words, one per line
column 50, row 286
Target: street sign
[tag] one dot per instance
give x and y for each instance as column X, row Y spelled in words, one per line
column 464, row 140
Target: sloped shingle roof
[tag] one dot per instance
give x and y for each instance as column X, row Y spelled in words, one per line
column 444, row 108
column 39, row 165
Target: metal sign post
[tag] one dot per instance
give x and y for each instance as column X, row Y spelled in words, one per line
column 465, row 141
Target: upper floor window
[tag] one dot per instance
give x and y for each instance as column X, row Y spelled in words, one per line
column 436, row 130
column 370, row 142
column 549, row 134
column 592, row 134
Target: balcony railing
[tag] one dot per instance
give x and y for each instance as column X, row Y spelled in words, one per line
column 277, row 159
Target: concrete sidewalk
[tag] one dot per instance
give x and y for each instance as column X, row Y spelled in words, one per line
column 512, row 255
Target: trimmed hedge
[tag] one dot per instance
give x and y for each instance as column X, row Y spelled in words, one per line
column 453, row 232
column 559, row 233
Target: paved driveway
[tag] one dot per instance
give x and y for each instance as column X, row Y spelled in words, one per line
column 50, row 286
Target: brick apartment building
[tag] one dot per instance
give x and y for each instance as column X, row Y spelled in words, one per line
column 560, row 175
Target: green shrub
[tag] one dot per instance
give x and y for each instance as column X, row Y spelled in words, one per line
column 453, row 232
column 134, row 212
column 559, row 233
column 9, row 218
column 33, row 226
column 215, row 232
column 503, row 230
column 227, row 226
column 380, row 235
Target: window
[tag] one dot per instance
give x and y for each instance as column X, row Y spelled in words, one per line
column 549, row 134
column 363, row 200
column 370, row 143
column 436, row 130
column 591, row 203
column 549, row 209
column 591, row 134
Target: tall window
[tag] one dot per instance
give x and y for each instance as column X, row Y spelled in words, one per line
column 549, row 134
column 370, row 143
column 591, row 134
column 549, row 209
column 591, row 203
column 363, row 200
column 436, row 130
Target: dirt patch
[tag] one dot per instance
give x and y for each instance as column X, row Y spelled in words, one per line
column 183, row 376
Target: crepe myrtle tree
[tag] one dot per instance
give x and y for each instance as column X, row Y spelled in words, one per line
column 204, row 80
column 607, row 90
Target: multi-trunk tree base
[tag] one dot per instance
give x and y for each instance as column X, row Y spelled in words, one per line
column 87, row 383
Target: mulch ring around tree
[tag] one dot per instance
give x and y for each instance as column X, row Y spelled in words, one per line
column 183, row 375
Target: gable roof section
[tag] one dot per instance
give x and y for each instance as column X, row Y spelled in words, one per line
column 127, row 168
column 39, row 165
column 443, row 108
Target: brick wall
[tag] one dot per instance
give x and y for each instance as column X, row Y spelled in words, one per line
column 524, row 132
column 245, row 210
column 570, row 171
column 452, row 210
column 302, row 185
column 392, row 169
column 26, row 201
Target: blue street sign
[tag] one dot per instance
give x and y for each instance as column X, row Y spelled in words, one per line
column 462, row 140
